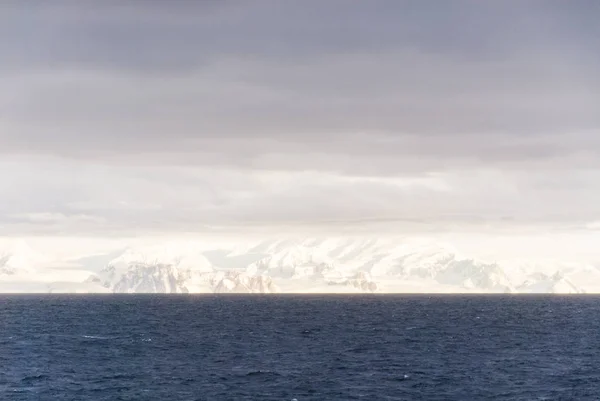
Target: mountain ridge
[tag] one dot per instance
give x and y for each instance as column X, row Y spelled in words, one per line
column 367, row 265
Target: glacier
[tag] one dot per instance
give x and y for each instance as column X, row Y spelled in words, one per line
column 304, row 265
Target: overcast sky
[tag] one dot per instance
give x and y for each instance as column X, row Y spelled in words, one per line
column 135, row 117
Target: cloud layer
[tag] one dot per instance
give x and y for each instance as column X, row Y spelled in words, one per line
column 178, row 115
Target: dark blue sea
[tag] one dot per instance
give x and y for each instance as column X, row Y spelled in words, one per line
column 165, row 347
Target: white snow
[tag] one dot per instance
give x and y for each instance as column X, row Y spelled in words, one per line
column 319, row 265
column 16, row 256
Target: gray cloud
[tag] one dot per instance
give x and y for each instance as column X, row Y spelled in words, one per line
column 183, row 35
column 172, row 114
column 50, row 196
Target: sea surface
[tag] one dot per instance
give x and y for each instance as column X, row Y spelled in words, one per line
column 166, row 347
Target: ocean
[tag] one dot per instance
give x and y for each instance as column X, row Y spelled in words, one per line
column 299, row 347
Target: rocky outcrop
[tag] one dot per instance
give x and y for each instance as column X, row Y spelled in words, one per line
column 294, row 262
column 142, row 278
column 360, row 281
column 241, row 282
column 363, row 282
column 138, row 277
column 471, row 274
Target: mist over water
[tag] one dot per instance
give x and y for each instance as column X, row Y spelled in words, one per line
column 281, row 347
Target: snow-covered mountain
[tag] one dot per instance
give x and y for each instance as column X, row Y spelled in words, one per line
column 17, row 257
column 540, row 283
column 329, row 265
column 399, row 266
column 175, row 269
column 378, row 265
column 224, row 282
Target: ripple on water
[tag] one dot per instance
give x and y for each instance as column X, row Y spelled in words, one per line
column 286, row 348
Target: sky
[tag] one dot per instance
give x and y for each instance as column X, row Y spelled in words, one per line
column 129, row 118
